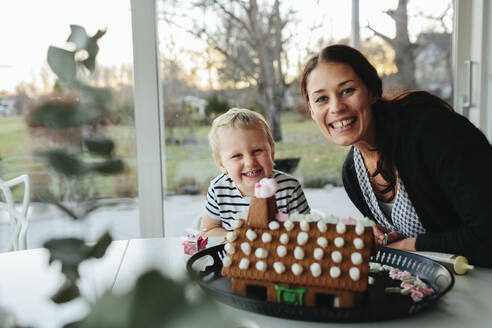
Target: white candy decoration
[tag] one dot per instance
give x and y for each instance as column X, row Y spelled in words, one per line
column 304, row 225
column 321, row 226
column 251, row 235
column 284, row 238
column 237, row 224
column 341, row 227
column 354, row 273
column 274, row 225
column 358, row 243
column 244, row 263
column 246, row 248
column 359, row 229
column 261, row 266
column 281, row 251
column 322, row 242
column 229, row 248
column 289, row 225
column 266, row 237
column 356, row 258
column 261, row 253
column 298, row 253
column 318, row 253
column 339, row 242
column 279, row 267
column 296, row 269
column 231, row 236
column 302, row 238
column 336, row 256
column 335, row 272
column 315, row 269
column 226, row 261
column 370, row 280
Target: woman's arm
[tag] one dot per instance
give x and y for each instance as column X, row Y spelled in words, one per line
column 211, row 227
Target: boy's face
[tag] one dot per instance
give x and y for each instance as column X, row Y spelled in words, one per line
column 246, row 156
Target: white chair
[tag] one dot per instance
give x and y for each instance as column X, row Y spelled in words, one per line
column 18, row 220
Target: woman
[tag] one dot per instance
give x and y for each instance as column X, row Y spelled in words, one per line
column 416, row 167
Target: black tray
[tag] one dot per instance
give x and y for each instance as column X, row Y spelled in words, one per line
column 378, row 305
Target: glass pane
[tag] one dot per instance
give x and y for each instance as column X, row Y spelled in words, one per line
column 26, row 80
column 214, row 56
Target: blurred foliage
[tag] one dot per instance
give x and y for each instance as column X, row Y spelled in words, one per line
column 216, row 106
column 155, row 301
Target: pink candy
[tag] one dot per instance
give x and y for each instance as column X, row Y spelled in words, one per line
column 348, row 220
column 265, row 188
column 417, row 292
column 399, row 275
column 281, row 216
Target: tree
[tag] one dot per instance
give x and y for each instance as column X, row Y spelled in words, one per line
column 251, row 42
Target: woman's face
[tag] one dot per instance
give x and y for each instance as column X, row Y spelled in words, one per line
column 340, row 104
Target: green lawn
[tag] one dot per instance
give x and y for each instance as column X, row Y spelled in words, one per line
column 188, row 167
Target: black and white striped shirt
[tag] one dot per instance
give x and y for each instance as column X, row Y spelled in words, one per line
column 224, row 200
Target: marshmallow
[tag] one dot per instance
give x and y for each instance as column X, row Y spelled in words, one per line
column 359, row 229
column 273, row 225
column 231, row 236
column 281, row 251
column 304, row 225
column 251, row 235
column 358, row 243
column 341, row 227
column 279, row 267
column 265, row 188
column 336, row 256
column 302, row 238
column 237, row 224
column 298, row 253
column 246, row 248
column 321, row 226
column 296, row 269
column 322, row 242
column 261, row 266
column 229, row 248
column 335, row 272
column 356, row 258
column 318, row 253
column 289, row 225
column 284, row 238
column 315, row 269
column 339, row 242
column 266, row 237
column 244, row 263
column 226, row 261
column 261, row 253
column 354, row 273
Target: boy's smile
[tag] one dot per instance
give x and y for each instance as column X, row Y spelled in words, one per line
column 246, row 156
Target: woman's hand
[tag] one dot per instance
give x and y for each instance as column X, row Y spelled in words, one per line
column 407, row 244
column 384, row 236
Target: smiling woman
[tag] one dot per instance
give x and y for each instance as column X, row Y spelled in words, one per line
column 426, row 184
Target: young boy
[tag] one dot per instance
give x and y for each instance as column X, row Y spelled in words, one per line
column 244, row 149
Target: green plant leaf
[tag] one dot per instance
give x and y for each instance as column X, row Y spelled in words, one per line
column 67, row 292
column 79, row 37
column 111, row 166
column 100, row 146
column 46, row 196
column 70, row 252
column 99, row 249
column 97, row 97
column 62, row 62
column 59, row 115
column 65, row 163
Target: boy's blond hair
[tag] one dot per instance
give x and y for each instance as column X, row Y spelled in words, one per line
column 240, row 118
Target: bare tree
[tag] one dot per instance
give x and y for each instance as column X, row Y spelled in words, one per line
column 251, row 41
column 404, row 49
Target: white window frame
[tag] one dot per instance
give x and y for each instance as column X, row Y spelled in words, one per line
column 148, row 119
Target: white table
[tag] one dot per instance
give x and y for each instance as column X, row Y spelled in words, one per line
column 26, row 283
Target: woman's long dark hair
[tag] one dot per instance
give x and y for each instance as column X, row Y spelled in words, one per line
column 384, row 111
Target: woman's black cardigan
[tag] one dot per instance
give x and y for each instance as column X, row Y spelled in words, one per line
column 445, row 163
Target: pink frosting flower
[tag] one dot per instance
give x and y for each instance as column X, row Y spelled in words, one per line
column 348, row 220
column 281, row 216
column 265, row 188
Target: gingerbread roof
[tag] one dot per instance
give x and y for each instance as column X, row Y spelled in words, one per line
column 325, row 253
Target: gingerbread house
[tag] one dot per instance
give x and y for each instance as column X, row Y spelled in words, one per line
column 302, row 260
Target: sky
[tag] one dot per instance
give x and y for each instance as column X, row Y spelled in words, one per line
column 29, row 27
